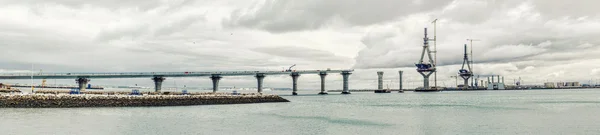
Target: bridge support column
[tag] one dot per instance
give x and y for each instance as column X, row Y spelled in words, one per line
column 259, row 78
column 345, row 75
column 379, row 80
column 82, row 82
column 400, row 82
column 158, row 83
column 295, row 76
column 215, row 80
column 323, row 91
column 466, row 84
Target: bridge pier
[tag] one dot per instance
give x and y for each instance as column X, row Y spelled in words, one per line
column 215, row 80
column 259, row 78
column 295, row 76
column 400, row 82
column 380, row 80
column 323, row 91
column 82, row 82
column 345, row 75
column 158, row 83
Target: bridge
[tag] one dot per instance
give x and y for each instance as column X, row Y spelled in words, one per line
column 83, row 78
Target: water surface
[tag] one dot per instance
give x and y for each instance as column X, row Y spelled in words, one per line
column 476, row 112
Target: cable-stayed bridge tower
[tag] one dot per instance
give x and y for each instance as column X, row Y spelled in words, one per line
column 465, row 73
column 426, row 68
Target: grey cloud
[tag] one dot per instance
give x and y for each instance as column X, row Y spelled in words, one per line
column 151, row 29
column 298, row 52
column 302, row 56
column 561, row 8
column 505, row 39
column 530, row 39
column 178, row 25
column 131, row 33
column 113, row 4
column 290, row 15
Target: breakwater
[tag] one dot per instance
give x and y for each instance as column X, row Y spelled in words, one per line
column 3, row 90
column 93, row 100
column 129, row 92
column 56, row 87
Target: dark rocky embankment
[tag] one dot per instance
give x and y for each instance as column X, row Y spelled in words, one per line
column 84, row 100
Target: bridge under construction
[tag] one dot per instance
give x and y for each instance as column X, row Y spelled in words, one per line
column 158, row 77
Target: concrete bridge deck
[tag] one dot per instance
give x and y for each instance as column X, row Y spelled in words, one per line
column 75, row 75
column 158, row 77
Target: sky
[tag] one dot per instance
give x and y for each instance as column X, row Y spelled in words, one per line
column 535, row 40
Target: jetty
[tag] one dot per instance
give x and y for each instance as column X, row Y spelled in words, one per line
column 8, row 89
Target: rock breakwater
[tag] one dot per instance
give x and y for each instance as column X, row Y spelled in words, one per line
column 129, row 92
column 92, row 100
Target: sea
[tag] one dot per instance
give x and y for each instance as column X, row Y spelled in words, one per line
column 545, row 112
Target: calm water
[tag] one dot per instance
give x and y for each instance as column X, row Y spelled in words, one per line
column 480, row 112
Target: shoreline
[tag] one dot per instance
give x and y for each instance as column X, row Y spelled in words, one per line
column 95, row 100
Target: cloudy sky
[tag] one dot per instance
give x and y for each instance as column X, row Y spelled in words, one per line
column 537, row 40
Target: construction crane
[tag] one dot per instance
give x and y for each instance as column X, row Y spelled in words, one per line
column 290, row 69
column 471, row 40
column 434, row 52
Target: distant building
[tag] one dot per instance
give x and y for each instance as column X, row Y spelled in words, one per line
column 576, row 84
column 567, row 84
column 549, row 85
column 560, row 84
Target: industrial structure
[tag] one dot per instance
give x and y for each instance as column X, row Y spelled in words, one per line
column 561, row 84
column 493, row 85
column 465, row 73
column 158, row 77
column 426, row 68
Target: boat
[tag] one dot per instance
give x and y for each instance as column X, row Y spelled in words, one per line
column 432, row 89
column 385, row 90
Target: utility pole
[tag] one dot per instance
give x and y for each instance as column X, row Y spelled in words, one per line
column 435, row 52
column 471, row 40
